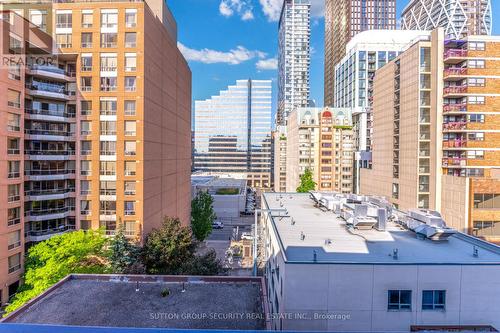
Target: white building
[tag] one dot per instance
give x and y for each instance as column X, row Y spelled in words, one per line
column 326, row 274
column 365, row 53
column 459, row 18
column 294, row 57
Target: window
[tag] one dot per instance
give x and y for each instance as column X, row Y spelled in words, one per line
column 399, row 300
column 86, row 108
column 14, row 71
column 39, row 18
column 12, row 146
column 86, row 83
column 108, row 208
column 476, row 82
column 13, row 122
column 86, row 62
column 130, row 62
column 64, row 41
column 109, row 62
column 108, row 127
column 130, row 148
column 85, row 207
column 13, row 216
column 86, row 224
column 108, row 168
column 130, row 83
column 130, row 39
column 85, row 127
column 475, row 154
column 108, row 187
column 14, row 240
column 109, row 19
column 476, row 118
column 433, row 299
column 108, row 107
column 129, row 208
column 476, row 63
column 486, row 200
column 86, row 39
column 86, row 147
column 85, row 187
column 108, row 83
column 476, row 136
column 85, row 168
column 15, row 44
column 14, row 169
column 130, row 128
column 87, row 18
column 395, row 191
column 130, row 228
column 130, row 18
column 129, row 188
column 64, row 20
column 109, row 40
column 129, row 108
column 130, row 168
column 14, row 263
column 486, row 228
column 13, row 98
column 477, row 46
column 13, row 193
column 108, row 147
column 475, row 100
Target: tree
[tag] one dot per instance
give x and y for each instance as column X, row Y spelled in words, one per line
column 51, row 260
column 206, row 264
column 202, row 215
column 124, row 255
column 168, row 248
column 306, row 182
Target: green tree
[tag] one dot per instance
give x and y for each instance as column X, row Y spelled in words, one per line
column 124, row 255
column 168, row 248
column 202, row 215
column 206, row 264
column 306, row 182
column 49, row 261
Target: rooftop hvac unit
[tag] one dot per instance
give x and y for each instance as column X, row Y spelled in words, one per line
column 434, row 233
column 364, row 222
column 428, row 217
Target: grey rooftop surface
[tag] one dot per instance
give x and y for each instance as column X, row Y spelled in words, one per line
column 114, row 302
column 325, row 234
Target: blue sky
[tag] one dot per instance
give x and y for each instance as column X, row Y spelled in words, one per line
column 227, row 40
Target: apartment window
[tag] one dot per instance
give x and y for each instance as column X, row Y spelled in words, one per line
column 64, row 40
column 130, row 148
column 108, row 127
column 130, row 62
column 476, row 118
column 85, row 127
column 108, row 83
column 14, row 263
column 129, row 208
column 109, row 39
column 130, row 39
column 86, row 147
column 486, row 228
column 13, row 98
column 64, row 20
column 14, row 240
column 108, row 107
column 399, row 300
column 12, row 146
column 85, row 168
column 86, row 108
column 130, row 228
column 129, row 108
column 476, row 63
column 109, row 62
column 395, row 191
column 87, row 18
column 476, row 136
column 14, row 169
column 108, row 147
column 130, row 128
column 433, row 299
column 130, row 83
column 129, row 188
column 86, row 39
column 13, row 216
column 85, row 187
column 86, row 83
column 86, row 62
column 85, row 224
column 108, row 208
column 476, row 100
column 108, row 168
column 109, row 20
column 15, row 44
column 476, row 82
column 487, row 200
column 13, row 193
column 108, row 187
column 39, row 18
column 130, row 168
column 130, row 18
column 14, row 71
column 85, row 208
column 477, row 46
column 13, row 122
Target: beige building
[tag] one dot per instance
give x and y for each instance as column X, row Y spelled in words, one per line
column 436, row 135
column 279, row 159
column 320, row 140
column 98, row 136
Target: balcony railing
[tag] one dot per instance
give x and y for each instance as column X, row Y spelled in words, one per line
column 130, row 153
column 50, row 69
column 454, row 161
column 107, row 192
column 50, row 231
column 47, row 88
column 107, row 153
column 50, row 211
column 13, row 198
column 460, row 125
column 129, row 212
column 51, row 191
column 14, row 268
column 455, row 53
column 47, row 132
column 13, row 174
column 50, row 113
column 13, row 221
column 455, row 144
column 48, row 172
column 108, row 112
column 49, row 152
column 107, row 212
column 455, row 90
column 13, row 151
column 455, row 107
column 455, row 71
column 423, row 187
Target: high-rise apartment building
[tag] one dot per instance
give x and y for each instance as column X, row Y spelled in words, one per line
column 279, row 158
column 98, row 133
column 233, row 132
column 366, row 52
column 459, row 18
column 436, row 139
column 343, row 20
column 320, row 140
column 294, row 57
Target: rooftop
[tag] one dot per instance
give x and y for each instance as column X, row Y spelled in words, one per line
column 217, row 181
column 113, row 301
column 307, row 230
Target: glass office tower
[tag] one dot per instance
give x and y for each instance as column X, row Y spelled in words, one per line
column 233, row 132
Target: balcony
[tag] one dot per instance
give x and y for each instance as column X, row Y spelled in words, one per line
column 455, row 126
column 455, row 144
column 107, row 192
column 456, row 91
column 49, row 194
column 454, row 56
column 129, row 212
column 49, row 174
column 48, row 91
column 41, row 235
column 455, row 108
column 454, row 162
column 40, row 134
column 48, row 214
column 39, row 114
column 423, row 188
column 44, row 155
column 51, row 72
column 456, row 73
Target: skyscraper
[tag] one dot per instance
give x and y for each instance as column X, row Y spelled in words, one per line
column 233, row 132
column 343, row 20
column 293, row 57
column 459, row 18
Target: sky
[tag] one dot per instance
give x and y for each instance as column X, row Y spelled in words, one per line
column 228, row 40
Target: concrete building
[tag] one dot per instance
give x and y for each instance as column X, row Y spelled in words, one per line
column 320, row 140
column 435, row 142
column 459, row 18
column 279, row 157
column 101, row 133
column 365, row 53
column 233, row 132
column 349, row 268
column 343, row 20
column 229, row 193
column 294, row 58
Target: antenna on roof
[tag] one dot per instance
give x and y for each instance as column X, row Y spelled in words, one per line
column 315, row 255
column 395, row 254
column 302, row 235
column 293, row 221
column 475, row 252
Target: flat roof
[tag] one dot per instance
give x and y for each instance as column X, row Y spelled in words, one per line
column 112, row 301
column 218, row 182
column 326, row 233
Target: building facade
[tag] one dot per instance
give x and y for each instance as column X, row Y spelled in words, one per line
column 294, row 58
column 320, row 140
column 354, row 74
column 100, row 135
column 279, row 159
column 459, row 18
column 448, row 91
column 343, row 20
column 233, row 132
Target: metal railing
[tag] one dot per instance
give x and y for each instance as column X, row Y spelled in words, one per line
column 49, row 152
column 50, row 113
column 48, row 172
column 51, row 191
column 62, row 228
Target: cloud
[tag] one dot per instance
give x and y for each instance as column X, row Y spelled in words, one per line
column 207, row 56
column 267, row 64
column 243, row 8
column 272, row 8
